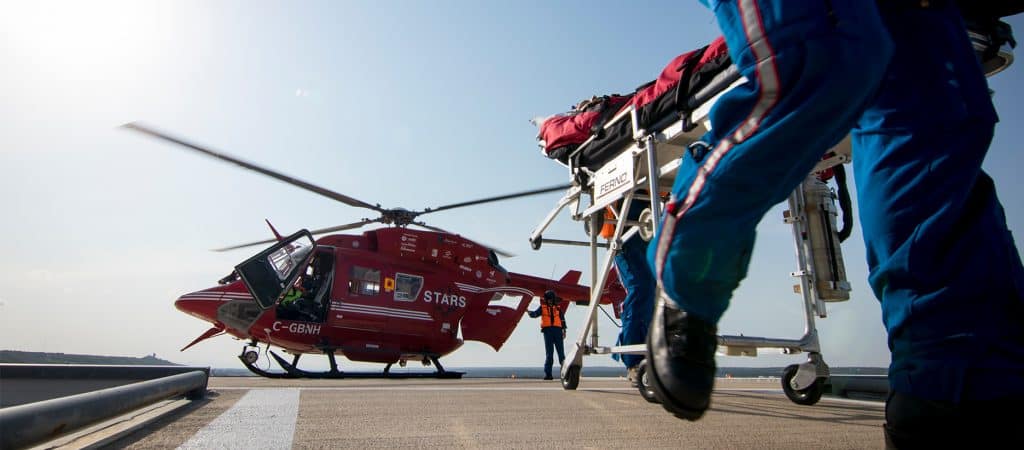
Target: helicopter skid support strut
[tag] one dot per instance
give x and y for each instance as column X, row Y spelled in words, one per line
column 292, row 372
column 263, row 373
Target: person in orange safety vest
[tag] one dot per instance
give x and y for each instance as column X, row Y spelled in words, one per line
column 552, row 325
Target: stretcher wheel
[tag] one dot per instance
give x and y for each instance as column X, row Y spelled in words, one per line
column 646, row 220
column 571, row 379
column 600, row 224
column 643, row 383
column 807, row 396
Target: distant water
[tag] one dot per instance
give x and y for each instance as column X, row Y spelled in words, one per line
column 592, row 371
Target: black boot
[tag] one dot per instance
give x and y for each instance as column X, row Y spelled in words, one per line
column 913, row 423
column 681, row 358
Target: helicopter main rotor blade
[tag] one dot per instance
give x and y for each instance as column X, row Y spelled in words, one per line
column 248, row 244
column 270, row 173
column 441, row 230
column 347, row 226
column 560, row 187
column 431, row 227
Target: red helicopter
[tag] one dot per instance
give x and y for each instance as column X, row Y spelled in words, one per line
column 389, row 295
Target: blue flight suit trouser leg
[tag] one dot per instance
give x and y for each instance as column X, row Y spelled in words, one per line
column 941, row 259
column 638, row 280
column 553, row 341
column 940, row 256
column 812, row 67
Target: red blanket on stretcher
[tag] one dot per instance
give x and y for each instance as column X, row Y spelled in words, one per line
column 561, row 133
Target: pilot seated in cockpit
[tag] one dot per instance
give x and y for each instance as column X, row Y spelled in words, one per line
column 299, row 303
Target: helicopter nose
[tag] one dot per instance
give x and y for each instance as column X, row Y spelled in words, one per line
column 199, row 305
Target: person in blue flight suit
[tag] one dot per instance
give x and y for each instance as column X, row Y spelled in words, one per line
column 638, row 280
column 552, row 325
column 903, row 76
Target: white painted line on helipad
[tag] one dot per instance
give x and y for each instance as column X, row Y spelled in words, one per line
column 262, row 418
column 754, row 390
column 450, row 388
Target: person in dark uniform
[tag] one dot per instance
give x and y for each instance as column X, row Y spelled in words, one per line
column 552, row 325
column 638, row 280
column 903, row 76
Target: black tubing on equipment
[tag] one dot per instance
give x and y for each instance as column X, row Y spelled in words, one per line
column 845, row 205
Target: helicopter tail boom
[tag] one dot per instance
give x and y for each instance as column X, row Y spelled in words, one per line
column 566, row 287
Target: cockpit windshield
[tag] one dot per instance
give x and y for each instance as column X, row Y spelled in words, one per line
column 288, row 257
column 270, row 273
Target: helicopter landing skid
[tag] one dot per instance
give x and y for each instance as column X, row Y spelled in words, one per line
column 263, row 373
column 294, row 372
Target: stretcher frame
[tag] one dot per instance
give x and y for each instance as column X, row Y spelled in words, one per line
column 623, row 176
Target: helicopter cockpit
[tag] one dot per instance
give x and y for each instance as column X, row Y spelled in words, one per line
column 309, row 297
column 293, row 275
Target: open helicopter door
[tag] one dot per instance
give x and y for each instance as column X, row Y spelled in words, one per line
column 270, row 273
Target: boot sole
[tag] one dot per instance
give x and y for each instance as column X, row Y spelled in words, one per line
column 661, row 392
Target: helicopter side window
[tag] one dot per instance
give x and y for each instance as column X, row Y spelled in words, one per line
column 407, row 287
column 238, row 314
column 364, row 281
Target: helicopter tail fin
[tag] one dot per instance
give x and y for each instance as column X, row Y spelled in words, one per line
column 571, row 277
column 272, row 229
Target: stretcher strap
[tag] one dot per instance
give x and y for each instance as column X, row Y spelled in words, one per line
column 688, row 66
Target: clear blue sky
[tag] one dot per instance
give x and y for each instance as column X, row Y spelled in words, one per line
column 410, row 104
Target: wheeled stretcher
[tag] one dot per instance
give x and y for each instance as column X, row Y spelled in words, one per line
column 633, row 156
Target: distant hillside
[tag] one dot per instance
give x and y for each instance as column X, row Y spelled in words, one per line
column 13, row 356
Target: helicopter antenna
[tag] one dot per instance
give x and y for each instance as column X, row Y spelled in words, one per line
column 276, row 234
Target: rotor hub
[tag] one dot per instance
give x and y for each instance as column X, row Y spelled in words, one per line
column 398, row 216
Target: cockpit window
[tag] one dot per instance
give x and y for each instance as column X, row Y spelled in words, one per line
column 364, row 281
column 286, row 258
column 407, row 287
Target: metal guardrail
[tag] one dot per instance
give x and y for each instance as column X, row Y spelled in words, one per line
column 91, row 371
column 28, row 383
column 32, row 423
